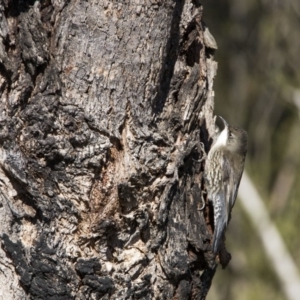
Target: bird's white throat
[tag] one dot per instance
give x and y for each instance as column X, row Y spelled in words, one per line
column 222, row 138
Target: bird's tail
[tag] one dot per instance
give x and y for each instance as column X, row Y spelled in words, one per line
column 218, row 234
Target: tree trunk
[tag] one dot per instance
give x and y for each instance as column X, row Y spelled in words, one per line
column 106, row 115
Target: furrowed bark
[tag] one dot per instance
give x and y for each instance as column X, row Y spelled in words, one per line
column 106, row 115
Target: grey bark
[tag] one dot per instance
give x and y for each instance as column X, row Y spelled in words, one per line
column 106, row 115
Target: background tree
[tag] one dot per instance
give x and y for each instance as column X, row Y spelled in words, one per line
column 106, row 112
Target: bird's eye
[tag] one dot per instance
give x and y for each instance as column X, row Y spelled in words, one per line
column 230, row 135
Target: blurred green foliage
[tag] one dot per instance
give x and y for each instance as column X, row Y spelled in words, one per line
column 258, row 87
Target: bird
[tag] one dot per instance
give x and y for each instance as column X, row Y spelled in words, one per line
column 224, row 167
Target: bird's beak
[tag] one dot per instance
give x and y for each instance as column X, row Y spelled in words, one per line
column 224, row 122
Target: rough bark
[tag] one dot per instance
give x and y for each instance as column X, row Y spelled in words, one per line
column 106, row 115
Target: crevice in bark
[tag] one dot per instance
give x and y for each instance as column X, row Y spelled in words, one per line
column 170, row 58
column 17, row 7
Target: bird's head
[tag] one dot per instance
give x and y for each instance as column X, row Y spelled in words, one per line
column 232, row 138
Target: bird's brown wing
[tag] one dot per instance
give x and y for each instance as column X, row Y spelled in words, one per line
column 231, row 181
column 227, row 175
